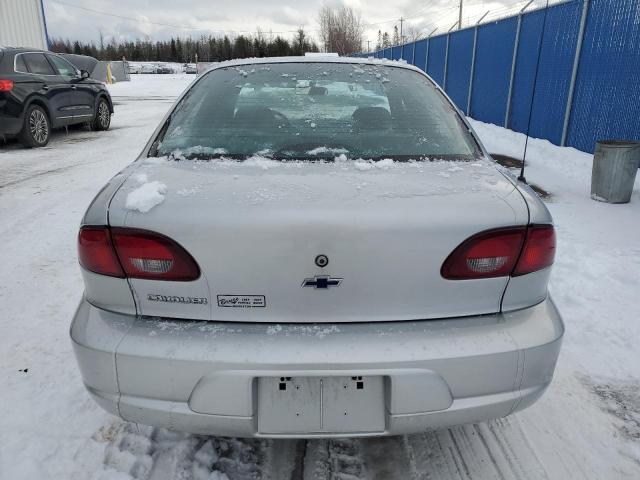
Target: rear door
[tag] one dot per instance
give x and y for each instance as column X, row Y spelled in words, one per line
column 81, row 95
column 55, row 87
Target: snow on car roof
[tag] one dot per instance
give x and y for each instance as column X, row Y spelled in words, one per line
column 320, row 58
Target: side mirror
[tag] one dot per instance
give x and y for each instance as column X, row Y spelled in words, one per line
column 84, row 75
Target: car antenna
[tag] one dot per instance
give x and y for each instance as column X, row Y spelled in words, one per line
column 521, row 177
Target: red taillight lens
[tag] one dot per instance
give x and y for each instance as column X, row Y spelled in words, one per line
column 502, row 252
column 539, row 250
column 135, row 253
column 152, row 256
column 489, row 254
column 96, row 252
column 6, row 85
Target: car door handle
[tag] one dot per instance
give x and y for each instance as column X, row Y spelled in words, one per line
column 73, row 87
column 45, row 87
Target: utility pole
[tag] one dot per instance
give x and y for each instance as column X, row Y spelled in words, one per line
column 460, row 16
column 401, row 37
column 368, row 46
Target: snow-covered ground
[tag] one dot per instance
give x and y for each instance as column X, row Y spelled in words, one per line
column 140, row 67
column 587, row 426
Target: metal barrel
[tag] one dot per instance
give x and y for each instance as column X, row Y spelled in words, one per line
column 615, row 164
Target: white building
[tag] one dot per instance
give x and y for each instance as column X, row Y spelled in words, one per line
column 22, row 24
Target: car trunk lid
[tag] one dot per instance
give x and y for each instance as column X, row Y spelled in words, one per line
column 256, row 228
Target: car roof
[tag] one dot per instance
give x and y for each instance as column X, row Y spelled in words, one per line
column 22, row 50
column 316, row 59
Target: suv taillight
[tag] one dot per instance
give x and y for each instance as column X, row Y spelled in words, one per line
column 134, row 253
column 6, row 85
column 502, row 252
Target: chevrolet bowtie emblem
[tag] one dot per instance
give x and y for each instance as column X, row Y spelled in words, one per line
column 322, row 281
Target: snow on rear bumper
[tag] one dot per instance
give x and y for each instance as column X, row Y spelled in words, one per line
column 201, row 377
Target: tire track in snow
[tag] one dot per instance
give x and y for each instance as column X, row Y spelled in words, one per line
column 333, row 459
column 146, row 453
column 382, row 458
column 498, row 449
column 388, row 458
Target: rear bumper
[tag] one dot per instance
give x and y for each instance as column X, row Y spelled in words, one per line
column 201, row 377
column 11, row 115
column 10, row 125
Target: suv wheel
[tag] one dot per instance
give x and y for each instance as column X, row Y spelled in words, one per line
column 36, row 129
column 102, row 120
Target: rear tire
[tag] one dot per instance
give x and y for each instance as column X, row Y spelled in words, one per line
column 102, row 120
column 36, row 130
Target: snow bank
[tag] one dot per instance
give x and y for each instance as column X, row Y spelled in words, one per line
column 147, row 196
column 151, row 85
column 567, row 162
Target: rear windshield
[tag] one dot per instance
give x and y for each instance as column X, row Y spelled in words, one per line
column 315, row 111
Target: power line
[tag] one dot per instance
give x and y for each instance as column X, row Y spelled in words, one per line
column 170, row 25
column 417, row 14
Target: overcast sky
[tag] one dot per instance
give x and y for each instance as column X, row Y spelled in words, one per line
column 131, row 19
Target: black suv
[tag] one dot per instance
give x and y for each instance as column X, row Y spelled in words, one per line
column 41, row 90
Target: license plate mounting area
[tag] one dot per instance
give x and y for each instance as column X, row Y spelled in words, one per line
column 344, row 404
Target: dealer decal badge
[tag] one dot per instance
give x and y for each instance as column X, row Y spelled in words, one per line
column 242, row 301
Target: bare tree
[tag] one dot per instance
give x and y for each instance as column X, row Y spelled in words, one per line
column 341, row 29
column 413, row 34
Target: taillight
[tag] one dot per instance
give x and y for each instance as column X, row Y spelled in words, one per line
column 489, row 254
column 149, row 255
column 96, row 252
column 502, row 252
column 6, row 85
column 539, row 250
column 138, row 254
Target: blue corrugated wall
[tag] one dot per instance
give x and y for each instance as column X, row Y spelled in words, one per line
column 494, row 57
column 421, row 53
column 435, row 63
column 554, row 75
column 395, row 52
column 606, row 103
column 606, row 99
column 459, row 67
column 407, row 52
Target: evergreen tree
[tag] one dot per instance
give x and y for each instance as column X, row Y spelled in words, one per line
column 385, row 40
column 176, row 49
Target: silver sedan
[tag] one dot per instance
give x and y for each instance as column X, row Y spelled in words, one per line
column 315, row 247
